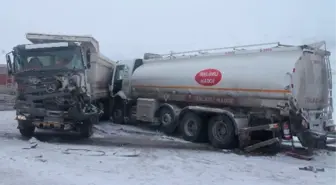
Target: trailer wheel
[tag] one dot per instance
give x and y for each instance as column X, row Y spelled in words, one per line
column 86, row 129
column 192, row 127
column 167, row 121
column 26, row 128
column 221, row 132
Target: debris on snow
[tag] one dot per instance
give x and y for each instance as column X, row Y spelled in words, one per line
column 33, row 143
column 312, row 169
column 85, row 152
column 40, row 158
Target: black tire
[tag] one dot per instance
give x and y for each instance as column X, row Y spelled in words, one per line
column 118, row 113
column 218, row 139
column 86, row 129
column 105, row 107
column 192, row 127
column 307, row 140
column 167, row 121
column 26, row 128
column 107, row 111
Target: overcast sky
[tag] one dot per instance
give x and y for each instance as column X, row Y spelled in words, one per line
column 128, row 28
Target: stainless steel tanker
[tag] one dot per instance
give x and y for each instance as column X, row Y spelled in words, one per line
column 228, row 89
column 250, row 78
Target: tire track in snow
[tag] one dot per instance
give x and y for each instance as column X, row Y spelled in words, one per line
column 109, row 140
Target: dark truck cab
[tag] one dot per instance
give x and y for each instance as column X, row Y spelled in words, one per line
column 52, row 90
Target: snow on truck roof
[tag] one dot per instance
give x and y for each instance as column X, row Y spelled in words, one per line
column 236, row 50
column 45, row 38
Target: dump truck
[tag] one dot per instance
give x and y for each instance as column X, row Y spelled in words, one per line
column 231, row 96
column 62, row 83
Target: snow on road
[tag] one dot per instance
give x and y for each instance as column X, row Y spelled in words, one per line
column 56, row 163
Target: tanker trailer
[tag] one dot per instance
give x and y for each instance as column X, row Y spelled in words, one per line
column 60, row 79
column 229, row 94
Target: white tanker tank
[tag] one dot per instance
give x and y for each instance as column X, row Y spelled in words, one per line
column 249, row 78
column 237, row 90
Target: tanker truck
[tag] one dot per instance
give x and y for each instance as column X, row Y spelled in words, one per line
column 230, row 96
column 62, row 83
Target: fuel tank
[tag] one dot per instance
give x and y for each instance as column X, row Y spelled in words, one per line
column 250, row 79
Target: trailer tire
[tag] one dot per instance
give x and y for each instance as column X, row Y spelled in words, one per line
column 26, row 128
column 192, row 127
column 221, row 132
column 86, row 129
column 167, row 121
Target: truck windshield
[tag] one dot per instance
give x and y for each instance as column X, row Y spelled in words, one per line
column 48, row 58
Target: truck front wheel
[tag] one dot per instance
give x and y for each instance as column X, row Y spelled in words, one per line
column 167, row 121
column 26, row 128
column 192, row 127
column 221, row 132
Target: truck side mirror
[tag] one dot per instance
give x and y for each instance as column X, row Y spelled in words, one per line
column 9, row 64
column 88, row 59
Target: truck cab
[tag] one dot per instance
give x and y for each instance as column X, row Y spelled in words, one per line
column 120, row 87
column 52, row 83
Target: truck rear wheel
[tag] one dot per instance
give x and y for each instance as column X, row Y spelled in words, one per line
column 104, row 105
column 221, row 132
column 192, row 127
column 86, row 129
column 118, row 111
column 167, row 121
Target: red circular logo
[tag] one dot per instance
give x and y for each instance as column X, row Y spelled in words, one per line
column 208, row 77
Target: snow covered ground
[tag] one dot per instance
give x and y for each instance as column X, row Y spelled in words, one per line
column 108, row 158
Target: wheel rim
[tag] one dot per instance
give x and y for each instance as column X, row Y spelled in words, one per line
column 166, row 119
column 190, row 128
column 219, row 130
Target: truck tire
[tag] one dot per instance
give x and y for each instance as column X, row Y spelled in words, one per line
column 26, row 128
column 118, row 114
column 221, row 132
column 167, row 121
column 306, row 140
column 192, row 127
column 107, row 111
column 104, row 105
column 86, row 129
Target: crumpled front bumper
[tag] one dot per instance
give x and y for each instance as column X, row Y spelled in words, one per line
column 28, row 108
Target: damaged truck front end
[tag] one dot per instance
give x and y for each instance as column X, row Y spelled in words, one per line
column 52, row 88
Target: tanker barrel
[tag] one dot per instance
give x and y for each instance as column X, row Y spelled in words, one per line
column 148, row 56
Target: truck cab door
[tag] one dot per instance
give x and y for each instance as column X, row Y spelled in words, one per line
column 117, row 79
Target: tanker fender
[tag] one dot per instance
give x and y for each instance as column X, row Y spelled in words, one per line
column 175, row 109
column 219, row 111
column 121, row 95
